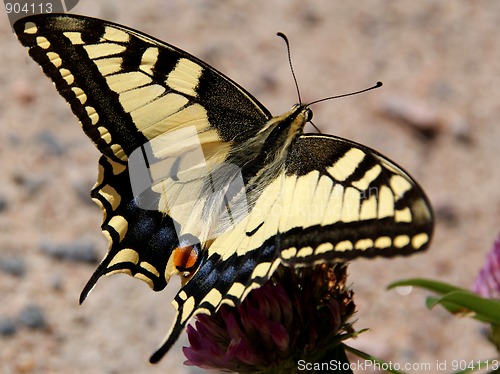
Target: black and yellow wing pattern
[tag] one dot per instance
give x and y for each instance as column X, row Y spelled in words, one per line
column 198, row 179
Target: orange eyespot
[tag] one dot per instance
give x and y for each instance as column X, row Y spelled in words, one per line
column 185, row 258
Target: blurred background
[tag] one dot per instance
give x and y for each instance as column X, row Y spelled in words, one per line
column 436, row 116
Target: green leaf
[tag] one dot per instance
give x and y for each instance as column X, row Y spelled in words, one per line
column 428, row 284
column 486, row 310
column 456, row 299
column 432, row 301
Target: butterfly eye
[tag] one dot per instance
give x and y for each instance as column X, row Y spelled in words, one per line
column 309, row 114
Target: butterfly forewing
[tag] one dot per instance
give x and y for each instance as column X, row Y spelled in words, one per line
column 370, row 206
column 127, row 88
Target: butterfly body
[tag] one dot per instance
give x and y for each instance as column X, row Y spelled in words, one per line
column 198, row 179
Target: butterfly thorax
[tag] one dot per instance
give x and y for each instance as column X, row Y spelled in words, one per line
column 262, row 157
column 266, row 152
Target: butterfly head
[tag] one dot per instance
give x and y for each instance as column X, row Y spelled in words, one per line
column 305, row 111
column 292, row 122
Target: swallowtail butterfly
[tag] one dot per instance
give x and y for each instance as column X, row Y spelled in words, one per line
column 198, row 179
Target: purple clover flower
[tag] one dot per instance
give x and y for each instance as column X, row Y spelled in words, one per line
column 487, row 282
column 298, row 314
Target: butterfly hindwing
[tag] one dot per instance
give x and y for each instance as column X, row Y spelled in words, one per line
column 219, row 281
column 141, row 240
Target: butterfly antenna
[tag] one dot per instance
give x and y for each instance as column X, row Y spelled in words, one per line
column 376, row 85
column 316, row 127
column 283, row 36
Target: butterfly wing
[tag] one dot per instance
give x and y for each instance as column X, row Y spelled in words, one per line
column 362, row 204
column 126, row 87
column 129, row 89
column 334, row 201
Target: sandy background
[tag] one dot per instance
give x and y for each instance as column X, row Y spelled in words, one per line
column 439, row 62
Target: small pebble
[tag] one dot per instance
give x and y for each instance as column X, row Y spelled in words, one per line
column 23, row 92
column 460, row 129
column 82, row 189
column 7, row 327
column 446, row 213
column 33, row 317
column 80, row 250
column 51, row 142
column 56, row 282
column 32, row 184
column 14, row 140
column 3, row 204
column 312, row 17
column 13, row 265
column 417, row 114
column 26, row 364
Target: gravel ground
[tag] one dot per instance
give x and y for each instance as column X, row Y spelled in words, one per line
column 436, row 115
